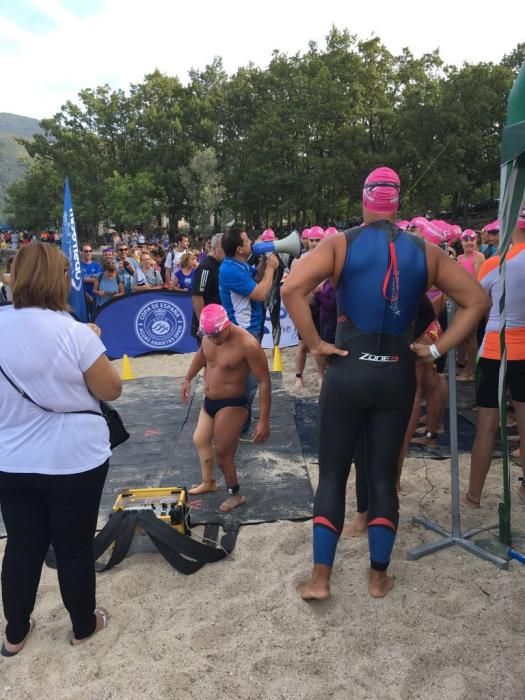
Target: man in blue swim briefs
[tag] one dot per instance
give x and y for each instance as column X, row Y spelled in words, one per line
column 229, row 353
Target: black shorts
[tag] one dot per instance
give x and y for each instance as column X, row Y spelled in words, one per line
column 487, row 378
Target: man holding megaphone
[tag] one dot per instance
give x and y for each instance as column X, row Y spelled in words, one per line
column 241, row 295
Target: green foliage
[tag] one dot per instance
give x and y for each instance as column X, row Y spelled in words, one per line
column 36, row 200
column 202, row 183
column 291, row 142
column 132, row 199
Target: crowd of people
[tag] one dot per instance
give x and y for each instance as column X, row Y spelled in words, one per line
column 12, row 239
column 369, row 305
column 129, row 267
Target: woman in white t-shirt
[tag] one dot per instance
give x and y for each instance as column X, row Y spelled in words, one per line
column 53, row 463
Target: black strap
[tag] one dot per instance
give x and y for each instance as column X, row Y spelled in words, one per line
column 118, row 531
column 47, row 410
column 183, row 553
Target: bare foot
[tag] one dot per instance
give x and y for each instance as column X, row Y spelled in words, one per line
column 466, row 500
column 516, row 454
column 317, row 587
column 379, row 583
column 521, row 494
column 232, row 502
column 465, row 378
column 205, row 487
column 299, row 386
column 102, row 616
column 356, row 527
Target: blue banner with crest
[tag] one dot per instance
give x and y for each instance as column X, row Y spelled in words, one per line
column 150, row 321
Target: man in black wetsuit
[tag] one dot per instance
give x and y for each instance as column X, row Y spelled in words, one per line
column 380, row 274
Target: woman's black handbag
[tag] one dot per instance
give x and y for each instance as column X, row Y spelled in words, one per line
column 117, row 432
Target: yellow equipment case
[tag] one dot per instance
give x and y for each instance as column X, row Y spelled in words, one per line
column 168, row 504
column 160, row 516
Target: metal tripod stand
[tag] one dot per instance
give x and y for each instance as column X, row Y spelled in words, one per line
column 454, row 536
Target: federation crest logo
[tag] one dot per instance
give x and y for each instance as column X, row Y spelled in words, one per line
column 160, row 324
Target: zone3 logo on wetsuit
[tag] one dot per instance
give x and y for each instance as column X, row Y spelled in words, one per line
column 378, row 358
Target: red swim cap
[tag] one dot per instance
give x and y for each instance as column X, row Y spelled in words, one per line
column 381, row 191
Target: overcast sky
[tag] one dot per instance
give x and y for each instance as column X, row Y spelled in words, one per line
column 51, row 49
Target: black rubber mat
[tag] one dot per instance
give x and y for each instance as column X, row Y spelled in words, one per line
column 160, row 452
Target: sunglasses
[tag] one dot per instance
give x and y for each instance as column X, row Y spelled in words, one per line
column 87, row 250
column 121, row 250
column 373, row 185
column 469, row 237
column 215, row 334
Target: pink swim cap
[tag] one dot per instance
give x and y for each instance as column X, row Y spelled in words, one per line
column 330, row 231
column 445, row 227
column 213, row 320
column 520, row 223
column 316, row 232
column 268, row 235
column 381, row 191
column 469, row 235
column 305, row 233
column 433, row 234
column 419, row 222
column 492, row 227
column 403, row 224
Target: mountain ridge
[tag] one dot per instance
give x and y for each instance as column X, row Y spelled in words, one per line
column 14, row 159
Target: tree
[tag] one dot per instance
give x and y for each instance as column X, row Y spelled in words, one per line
column 131, row 199
column 202, row 183
column 36, row 201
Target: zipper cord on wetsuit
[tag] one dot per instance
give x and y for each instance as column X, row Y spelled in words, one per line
column 393, row 272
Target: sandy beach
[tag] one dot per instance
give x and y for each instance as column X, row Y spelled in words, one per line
column 452, row 628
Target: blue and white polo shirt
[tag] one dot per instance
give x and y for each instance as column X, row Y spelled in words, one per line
column 235, row 284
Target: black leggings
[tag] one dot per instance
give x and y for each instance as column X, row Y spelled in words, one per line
column 39, row 510
column 361, row 485
column 370, row 397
